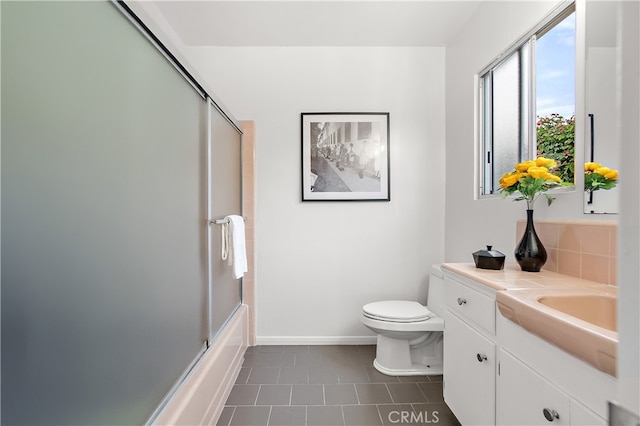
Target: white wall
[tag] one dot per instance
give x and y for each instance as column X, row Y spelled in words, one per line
column 319, row 262
column 629, row 246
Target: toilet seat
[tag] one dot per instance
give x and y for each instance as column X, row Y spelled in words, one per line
column 401, row 311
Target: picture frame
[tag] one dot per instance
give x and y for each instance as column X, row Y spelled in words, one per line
column 345, row 156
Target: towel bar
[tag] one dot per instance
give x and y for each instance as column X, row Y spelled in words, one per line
column 222, row 221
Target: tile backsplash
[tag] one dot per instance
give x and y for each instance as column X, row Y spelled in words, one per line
column 581, row 249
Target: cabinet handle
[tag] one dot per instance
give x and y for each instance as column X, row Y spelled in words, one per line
column 550, row 415
column 483, row 357
column 462, row 301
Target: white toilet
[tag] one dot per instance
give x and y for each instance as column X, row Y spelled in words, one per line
column 409, row 334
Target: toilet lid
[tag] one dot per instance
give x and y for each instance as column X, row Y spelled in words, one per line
column 397, row 311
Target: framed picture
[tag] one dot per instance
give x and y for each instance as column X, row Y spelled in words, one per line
column 345, row 156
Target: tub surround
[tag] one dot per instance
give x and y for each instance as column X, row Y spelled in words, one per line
column 200, row 398
column 249, row 212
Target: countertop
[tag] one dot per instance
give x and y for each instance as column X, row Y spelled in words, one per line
column 511, row 277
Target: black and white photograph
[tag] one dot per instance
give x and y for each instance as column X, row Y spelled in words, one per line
column 345, row 156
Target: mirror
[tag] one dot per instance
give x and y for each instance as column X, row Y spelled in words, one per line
column 601, row 135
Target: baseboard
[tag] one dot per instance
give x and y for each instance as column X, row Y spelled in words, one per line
column 315, row 340
column 201, row 397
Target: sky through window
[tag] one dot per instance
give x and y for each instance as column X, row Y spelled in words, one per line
column 555, row 70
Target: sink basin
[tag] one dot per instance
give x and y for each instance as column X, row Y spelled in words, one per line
column 598, row 310
column 581, row 322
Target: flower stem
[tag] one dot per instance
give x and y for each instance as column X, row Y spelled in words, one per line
column 530, row 203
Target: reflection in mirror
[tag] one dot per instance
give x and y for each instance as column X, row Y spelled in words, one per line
column 602, row 142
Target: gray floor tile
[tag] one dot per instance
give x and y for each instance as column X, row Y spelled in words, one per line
column 394, row 414
column 330, row 355
column 406, row 393
column 373, row 393
column 361, row 358
column 340, row 394
column 288, row 416
column 333, row 354
column 225, row 416
column 432, row 391
column 273, row 348
column 438, row 414
column 243, row 375
column 328, row 415
column 296, row 348
column 294, row 376
column 303, row 359
column 307, row 395
column 414, row 379
column 263, row 376
column 254, row 359
column 377, row 377
column 323, row 374
column 250, row 416
column 243, row 395
column 436, row 378
column 279, row 359
column 361, row 415
column 353, row 374
column 329, row 385
column 371, row 349
column 274, row 395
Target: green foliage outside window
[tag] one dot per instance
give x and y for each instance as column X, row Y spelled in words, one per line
column 556, row 139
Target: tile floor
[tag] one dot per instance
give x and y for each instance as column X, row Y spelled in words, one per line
column 327, row 386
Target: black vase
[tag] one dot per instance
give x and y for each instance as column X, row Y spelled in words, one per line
column 530, row 252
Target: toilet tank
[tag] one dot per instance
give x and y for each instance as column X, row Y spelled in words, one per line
column 435, row 293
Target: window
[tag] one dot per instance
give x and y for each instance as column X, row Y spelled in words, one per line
column 527, row 101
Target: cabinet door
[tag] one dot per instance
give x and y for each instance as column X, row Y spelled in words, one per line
column 469, row 373
column 526, row 398
column 582, row 416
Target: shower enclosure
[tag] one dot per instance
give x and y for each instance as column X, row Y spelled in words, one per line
column 114, row 159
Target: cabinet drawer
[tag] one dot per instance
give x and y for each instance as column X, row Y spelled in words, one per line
column 470, row 304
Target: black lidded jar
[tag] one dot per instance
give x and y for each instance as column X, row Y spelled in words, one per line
column 489, row 259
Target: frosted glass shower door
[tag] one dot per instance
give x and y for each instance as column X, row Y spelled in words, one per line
column 104, row 278
column 225, row 186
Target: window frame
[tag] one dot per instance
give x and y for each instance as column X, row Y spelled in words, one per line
column 484, row 131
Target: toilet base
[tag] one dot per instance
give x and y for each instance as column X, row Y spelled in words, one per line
column 415, row 370
column 419, row 357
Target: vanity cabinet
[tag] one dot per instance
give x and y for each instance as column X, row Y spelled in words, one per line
column 526, row 398
column 469, row 352
column 498, row 373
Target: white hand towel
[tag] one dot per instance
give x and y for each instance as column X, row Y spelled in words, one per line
column 237, row 247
